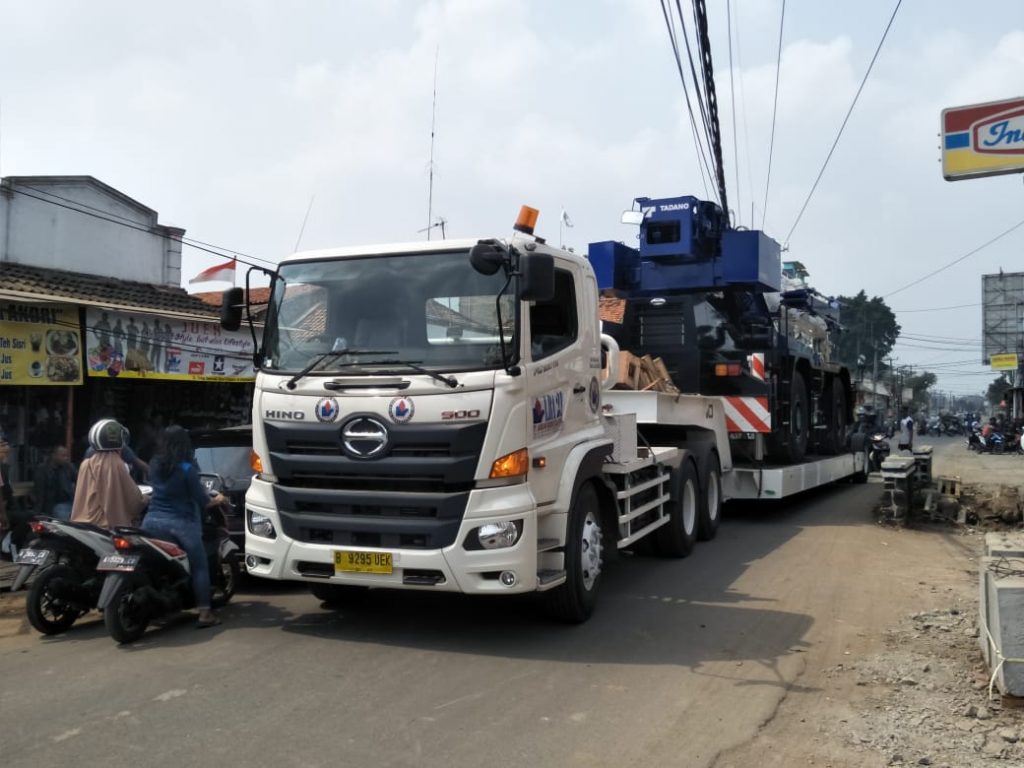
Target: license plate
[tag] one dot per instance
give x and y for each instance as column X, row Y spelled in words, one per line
column 118, row 563
column 32, row 556
column 346, row 561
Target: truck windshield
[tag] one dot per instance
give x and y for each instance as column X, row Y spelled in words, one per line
column 431, row 308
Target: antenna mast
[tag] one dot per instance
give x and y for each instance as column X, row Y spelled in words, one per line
column 433, row 120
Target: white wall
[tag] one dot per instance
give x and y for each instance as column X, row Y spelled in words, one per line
column 44, row 234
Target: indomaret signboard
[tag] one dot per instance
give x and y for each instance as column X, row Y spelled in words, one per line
column 983, row 139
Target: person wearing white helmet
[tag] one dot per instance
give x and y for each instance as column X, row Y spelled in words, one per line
column 106, row 495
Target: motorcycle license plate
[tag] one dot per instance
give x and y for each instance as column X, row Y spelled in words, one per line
column 33, row 557
column 118, row 563
column 347, row 561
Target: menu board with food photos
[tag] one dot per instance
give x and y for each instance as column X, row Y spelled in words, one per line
column 134, row 345
column 40, row 344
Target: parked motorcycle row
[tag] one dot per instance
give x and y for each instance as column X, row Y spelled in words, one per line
column 996, row 442
column 130, row 576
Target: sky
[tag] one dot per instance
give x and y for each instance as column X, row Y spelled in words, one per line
column 232, row 119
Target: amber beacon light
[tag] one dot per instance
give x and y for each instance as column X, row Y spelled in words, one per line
column 527, row 220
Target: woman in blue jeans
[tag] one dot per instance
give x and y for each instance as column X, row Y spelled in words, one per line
column 176, row 508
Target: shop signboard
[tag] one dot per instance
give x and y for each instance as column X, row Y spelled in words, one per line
column 983, row 139
column 40, row 344
column 1004, row 362
column 136, row 345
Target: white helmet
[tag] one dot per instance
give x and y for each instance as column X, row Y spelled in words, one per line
column 108, row 435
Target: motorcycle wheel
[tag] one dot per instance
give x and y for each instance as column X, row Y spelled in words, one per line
column 47, row 611
column 224, row 587
column 125, row 618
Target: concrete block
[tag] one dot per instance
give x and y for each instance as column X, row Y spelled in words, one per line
column 1004, row 544
column 1003, row 614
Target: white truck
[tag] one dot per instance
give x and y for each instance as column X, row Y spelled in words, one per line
column 438, row 416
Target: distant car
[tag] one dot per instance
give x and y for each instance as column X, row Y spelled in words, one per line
column 223, row 459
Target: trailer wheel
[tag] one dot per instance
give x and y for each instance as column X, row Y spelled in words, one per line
column 710, row 500
column 677, row 537
column 573, row 601
column 790, row 446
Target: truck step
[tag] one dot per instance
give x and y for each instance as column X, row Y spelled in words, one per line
column 545, row 545
column 548, row 579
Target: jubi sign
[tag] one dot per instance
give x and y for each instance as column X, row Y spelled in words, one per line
column 983, row 140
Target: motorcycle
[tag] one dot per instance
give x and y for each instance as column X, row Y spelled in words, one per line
column 996, row 442
column 147, row 578
column 878, row 452
column 67, row 584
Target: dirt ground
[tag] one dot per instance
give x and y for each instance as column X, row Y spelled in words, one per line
column 914, row 691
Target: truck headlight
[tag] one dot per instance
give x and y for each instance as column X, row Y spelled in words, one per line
column 498, row 535
column 261, row 525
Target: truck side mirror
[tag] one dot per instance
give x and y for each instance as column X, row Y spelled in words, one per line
column 231, row 309
column 537, row 280
column 486, row 257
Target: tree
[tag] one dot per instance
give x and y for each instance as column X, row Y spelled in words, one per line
column 997, row 389
column 868, row 326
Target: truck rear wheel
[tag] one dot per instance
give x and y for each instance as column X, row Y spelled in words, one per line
column 677, row 537
column 710, row 500
column 573, row 601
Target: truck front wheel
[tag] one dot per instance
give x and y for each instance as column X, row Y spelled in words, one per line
column 573, row 601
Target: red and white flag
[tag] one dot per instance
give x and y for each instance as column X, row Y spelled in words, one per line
column 225, row 271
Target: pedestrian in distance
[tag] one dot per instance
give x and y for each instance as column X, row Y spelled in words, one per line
column 106, row 495
column 55, row 484
column 906, row 442
column 176, row 510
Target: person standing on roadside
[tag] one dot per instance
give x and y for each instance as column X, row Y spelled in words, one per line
column 55, row 484
column 906, row 433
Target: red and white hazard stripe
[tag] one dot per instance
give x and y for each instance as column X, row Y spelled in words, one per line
column 757, row 365
column 747, row 414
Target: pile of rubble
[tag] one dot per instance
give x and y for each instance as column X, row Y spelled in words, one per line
column 992, row 507
column 928, row 700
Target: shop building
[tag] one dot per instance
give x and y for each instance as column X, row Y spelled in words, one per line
column 94, row 323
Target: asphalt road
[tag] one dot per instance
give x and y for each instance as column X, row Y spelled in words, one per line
column 683, row 660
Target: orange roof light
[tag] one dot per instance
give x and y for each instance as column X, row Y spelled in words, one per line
column 527, row 220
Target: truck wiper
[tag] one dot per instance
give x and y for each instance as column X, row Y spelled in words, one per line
column 451, row 381
column 332, row 353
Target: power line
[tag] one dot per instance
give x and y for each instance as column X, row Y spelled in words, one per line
column 775, row 107
column 845, row 120
column 732, row 97
column 957, row 260
column 702, row 164
column 937, row 309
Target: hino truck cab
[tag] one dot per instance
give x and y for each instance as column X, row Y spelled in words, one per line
column 428, row 416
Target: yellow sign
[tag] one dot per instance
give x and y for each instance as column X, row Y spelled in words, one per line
column 40, row 344
column 1007, row 362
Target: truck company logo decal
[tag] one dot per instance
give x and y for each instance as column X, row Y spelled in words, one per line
column 401, row 410
column 364, row 438
column 747, row 414
column 547, row 413
column 595, row 395
column 326, row 409
column 284, row 415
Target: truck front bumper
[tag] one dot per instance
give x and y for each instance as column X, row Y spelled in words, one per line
column 451, row 569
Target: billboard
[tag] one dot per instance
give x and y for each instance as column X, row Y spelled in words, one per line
column 983, row 139
column 1007, row 362
column 1002, row 315
column 141, row 346
column 40, row 344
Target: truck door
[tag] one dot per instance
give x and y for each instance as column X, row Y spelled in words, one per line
column 559, row 375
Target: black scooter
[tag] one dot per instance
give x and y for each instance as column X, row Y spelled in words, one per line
column 67, row 584
column 147, row 578
column 878, row 451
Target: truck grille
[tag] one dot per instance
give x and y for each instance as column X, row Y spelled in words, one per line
column 412, row 497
